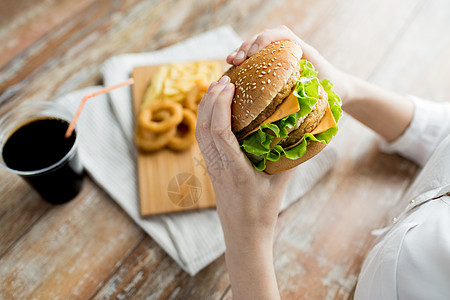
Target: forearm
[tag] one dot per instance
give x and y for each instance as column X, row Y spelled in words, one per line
column 385, row 112
column 251, row 270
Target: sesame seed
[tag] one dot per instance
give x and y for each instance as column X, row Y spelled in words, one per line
column 263, row 82
column 260, row 76
column 268, row 80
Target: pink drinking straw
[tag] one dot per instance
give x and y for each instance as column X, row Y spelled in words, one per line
column 85, row 98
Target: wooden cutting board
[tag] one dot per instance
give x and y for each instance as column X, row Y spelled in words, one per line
column 169, row 181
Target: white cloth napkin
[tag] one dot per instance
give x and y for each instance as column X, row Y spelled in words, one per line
column 193, row 239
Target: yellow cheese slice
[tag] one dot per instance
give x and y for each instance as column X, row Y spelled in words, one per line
column 289, row 106
column 326, row 123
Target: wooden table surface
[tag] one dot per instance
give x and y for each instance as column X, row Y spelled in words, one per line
column 90, row 248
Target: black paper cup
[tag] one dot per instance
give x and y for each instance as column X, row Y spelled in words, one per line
column 57, row 177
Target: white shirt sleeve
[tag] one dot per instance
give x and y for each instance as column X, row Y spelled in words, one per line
column 429, row 126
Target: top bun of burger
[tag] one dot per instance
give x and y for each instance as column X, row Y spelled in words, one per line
column 267, row 76
column 263, row 82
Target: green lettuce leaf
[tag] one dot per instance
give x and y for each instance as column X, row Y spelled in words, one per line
column 307, row 90
column 333, row 100
column 307, row 93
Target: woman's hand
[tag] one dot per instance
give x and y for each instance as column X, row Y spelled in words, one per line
column 342, row 82
column 248, row 201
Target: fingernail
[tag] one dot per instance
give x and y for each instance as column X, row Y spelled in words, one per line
column 224, row 80
column 229, row 86
column 240, row 55
column 253, row 49
column 233, row 53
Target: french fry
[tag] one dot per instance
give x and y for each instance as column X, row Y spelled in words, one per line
column 173, row 82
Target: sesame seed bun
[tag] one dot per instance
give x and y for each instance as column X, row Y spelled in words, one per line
column 259, row 79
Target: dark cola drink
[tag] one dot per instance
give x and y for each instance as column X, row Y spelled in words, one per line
column 38, row 151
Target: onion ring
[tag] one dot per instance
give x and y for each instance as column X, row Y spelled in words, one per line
column 195, row 95
column 161, row 116
column 151, row 141
column 185, row 135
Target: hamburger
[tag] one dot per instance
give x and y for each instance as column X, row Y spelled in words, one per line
column 281, row 113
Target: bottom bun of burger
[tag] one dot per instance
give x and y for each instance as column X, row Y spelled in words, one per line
column 285, row 163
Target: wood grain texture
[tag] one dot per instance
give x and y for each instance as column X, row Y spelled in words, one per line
column 89, row 248
column 70, row 251
column 356, row 35
column 20, row 208
column 418, row 63
column 161, row 174
column 148, row 273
